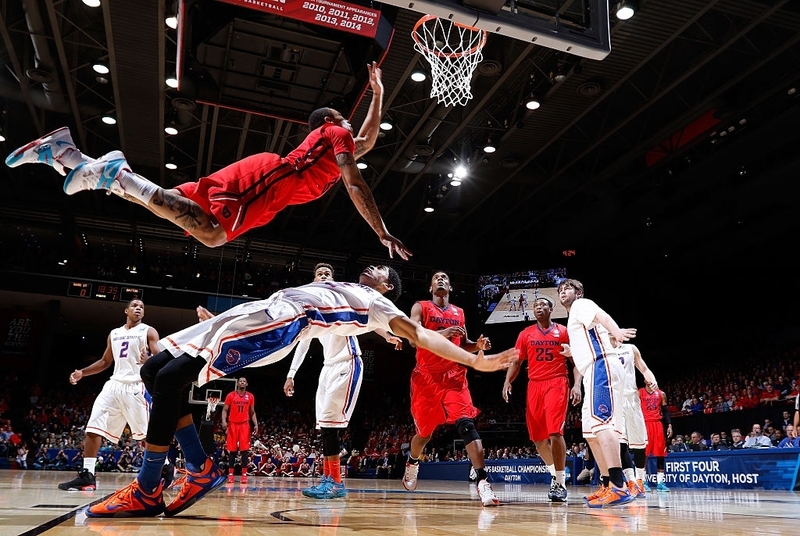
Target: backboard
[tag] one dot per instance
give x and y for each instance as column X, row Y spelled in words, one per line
column 222, row 386
column 579, row 27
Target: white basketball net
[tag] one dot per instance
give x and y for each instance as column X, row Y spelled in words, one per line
column 453, row 51
column 212, row 406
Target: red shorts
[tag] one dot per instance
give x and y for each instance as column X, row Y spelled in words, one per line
column 246, row 194
column 546, row 412
column 440, row 399
column 656, row 442
column 238, row 437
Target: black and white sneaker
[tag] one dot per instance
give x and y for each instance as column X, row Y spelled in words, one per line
column 84, row 482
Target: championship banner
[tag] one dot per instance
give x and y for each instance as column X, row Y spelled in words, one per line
column 769, row 469
column 328, row 13
column 517, row 471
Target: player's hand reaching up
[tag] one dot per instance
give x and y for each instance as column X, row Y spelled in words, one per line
column 375, row 82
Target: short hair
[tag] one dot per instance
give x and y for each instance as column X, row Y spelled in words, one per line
column 547, row 299
column 323, row 265
column 397, row 285
column 317, row 117
column 135, row 298
column 572, row 283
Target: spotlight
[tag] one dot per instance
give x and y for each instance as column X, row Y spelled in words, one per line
column 171, row 129
column 428, row 207
column 386, row 126
column 171, row 164
column 418, row 76
column 625, row 9
column 172, row 82
column 460, row 172
column 109, row 119
column 455, row 182
column 100, row 68
column 171, row 21
column 489, row 148
column 2, row 136
column 362, row 165
column 92, row 3
column 532, row 103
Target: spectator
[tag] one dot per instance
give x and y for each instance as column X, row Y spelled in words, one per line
column 791, row 438
column 737, row 441
column 679, row 445
column 22, row 456
column 756, row 439
column 697, row 443
column 717, row 443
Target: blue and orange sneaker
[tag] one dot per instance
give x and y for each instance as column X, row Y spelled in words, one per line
column 46, row 150
column 612, row 497
column 194, row 486
column 130, row 501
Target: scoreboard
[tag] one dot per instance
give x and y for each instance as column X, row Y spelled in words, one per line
column 103, row 291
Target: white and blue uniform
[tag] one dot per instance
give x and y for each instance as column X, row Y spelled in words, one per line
column 122, row 399
column 634, row 431
column 339, row 380
column 602, row 372
column 263, row 332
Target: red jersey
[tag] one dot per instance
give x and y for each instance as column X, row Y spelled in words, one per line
column 239, row 406
column 651, row 404
column 436, row 318
column 542, row 349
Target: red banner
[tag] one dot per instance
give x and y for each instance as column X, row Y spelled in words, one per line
column 329, row 13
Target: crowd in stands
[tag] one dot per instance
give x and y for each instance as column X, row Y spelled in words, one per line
column 47, row 431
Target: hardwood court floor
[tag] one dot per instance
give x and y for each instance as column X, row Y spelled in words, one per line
column 31, row 504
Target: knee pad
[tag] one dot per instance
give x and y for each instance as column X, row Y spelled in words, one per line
column 330, row 441
column 466, row 429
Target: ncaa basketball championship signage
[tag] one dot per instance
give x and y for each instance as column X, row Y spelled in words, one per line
column 329, row 13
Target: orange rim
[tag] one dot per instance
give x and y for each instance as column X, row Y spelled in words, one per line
column 471, row 51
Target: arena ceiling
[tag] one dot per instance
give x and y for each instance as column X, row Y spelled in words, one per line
column 675, row 152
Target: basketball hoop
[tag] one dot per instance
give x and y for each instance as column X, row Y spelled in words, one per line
column 453, row 50
column 212, row 405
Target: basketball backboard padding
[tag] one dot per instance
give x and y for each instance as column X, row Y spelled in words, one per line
column 490, row 6
column 591, row 42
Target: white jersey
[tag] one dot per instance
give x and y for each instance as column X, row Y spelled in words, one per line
column 263, row 332
column 588, row 340
column 335, row 349
column 626, row 357
column 126, row 347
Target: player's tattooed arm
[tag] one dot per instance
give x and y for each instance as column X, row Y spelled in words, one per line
column 186, row 213
column 345, row 159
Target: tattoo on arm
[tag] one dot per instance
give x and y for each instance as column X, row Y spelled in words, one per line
column 344, row 159
column 187, row 214
column 361, row 149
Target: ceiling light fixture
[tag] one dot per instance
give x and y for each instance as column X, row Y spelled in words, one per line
column 626, row 9
column 92, row 3
column 171, row 130
column 489, row 148
column 109, row 119
column 532, row 103
column 100, row 68
column 428, row 207
column 455, row 182
column 362, row 165
column 171, row 21
column 172, row 82
column 418, row 76
column 386, row 126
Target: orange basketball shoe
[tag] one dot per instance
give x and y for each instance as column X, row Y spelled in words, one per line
column 130, row 501
column 194, row 486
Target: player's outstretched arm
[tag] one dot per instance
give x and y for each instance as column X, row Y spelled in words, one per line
column 368, row 134
column 441, row 346
column 364, row 201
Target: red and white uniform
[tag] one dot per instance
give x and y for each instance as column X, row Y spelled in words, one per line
column 548, row 379
column 122, row 399
column 439, row 391
column 250, row 192
column 651, row 411
column 259, row 333
column 238, row 436
column 602, row 371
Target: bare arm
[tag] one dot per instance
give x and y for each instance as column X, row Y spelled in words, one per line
column 441, row 346
column 621, row 334
column 224, row 419
column 98, row 366
column 152, row 345
column 642, row 367
column 362, row 198
column 253, row 419
column 391, row 338
column 368, row 134
column 511, row 375
column 299, row 355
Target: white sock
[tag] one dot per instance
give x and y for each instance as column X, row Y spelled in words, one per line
column 659, row 478
column 88, row 464
column 72, row 158
column 641, row 474
column 552, row 469
column 137, row 186
column 560, row 477
column 630, row 476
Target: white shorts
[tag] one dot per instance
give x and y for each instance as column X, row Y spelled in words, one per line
column 635, row 431
column 602, row 401
column 119, row 404
column 337, row 393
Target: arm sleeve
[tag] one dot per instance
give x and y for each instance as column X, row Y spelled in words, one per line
column 665, row 418
column 300, row 352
